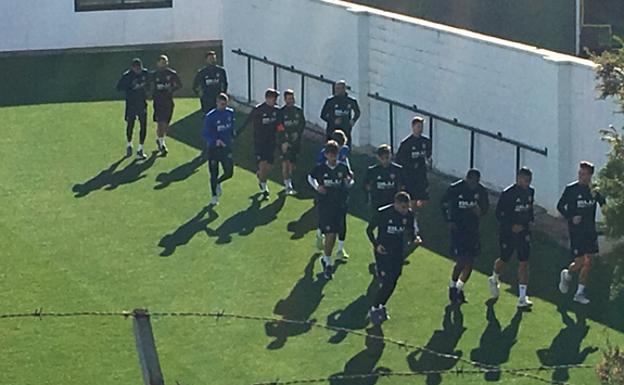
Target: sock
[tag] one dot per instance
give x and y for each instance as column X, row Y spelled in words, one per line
column 263, row 186
column 161, row 141
column 460, row 285
column 129, row 144
column 522, row 291
column 340, row 245
column 581, row 289
column 286, row 183
column 567, row 275
column 416, row 229
column 289, row 182
column 140, row 147
column 327, row 259
column 319, row 233
column 495, row 275
column 453, row 284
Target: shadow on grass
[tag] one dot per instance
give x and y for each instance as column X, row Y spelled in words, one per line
column 301, row 303
column 565, row 348
column 111, row 178
column 442, row 341
column 183, row 234
column 548, row 257
column 245, row 222
column 496, row 343
column 179, row 173
column 365, row 361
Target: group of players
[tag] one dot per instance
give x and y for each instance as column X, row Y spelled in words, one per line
column 397, row 190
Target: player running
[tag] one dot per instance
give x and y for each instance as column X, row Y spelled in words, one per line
column 289, row 133
column 218, row 132
column 395, row 233
column 463, row 204
column 514, row 212
column 134, row 82
column 210, row 82
column 340, row 111
column 165, row 82
column 331, row 180
column 343, row 157
column 264, row 118
column 414, row 155
column 578, row 206
column 384, row 179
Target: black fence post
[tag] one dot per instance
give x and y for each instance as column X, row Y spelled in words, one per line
column 248, row 79
column 517, row 158
column 303, row 93
column 274, row 77
column 391, row 113
column 431, row 130
column 472, row 148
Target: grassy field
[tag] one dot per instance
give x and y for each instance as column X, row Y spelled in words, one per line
column 84, row 229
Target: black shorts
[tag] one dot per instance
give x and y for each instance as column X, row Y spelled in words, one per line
column 465, row 244
column 519, row 243
column 136, row 111
column 291, row 154
column 208, row 103
column 163, row 111
column 582, row 243
column 331, row 218
column 219, row 154
column 418, row 191
column 391, row 264
column 264, row 152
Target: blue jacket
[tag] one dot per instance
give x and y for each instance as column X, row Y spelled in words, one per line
column 343, row 156
column 219, row 125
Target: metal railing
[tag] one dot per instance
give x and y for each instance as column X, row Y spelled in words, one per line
column 454, row 122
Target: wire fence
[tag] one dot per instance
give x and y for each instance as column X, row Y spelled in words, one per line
column 475, row 366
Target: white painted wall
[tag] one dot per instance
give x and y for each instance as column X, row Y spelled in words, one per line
column 539, row 97
column 53, row 24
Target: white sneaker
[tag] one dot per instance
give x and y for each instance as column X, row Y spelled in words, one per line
column 494, row 287
column 290, row 191
column 564, row 283
column 215, row 200
column 581, row 298
column 219, row 191
column 524, row 303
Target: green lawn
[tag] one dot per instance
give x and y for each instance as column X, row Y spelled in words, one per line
column 84, row 229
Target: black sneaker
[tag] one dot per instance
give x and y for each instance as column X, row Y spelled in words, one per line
column 163, row 150
column 461, row 297
column 329, row 272
column 128, row 151
column 141, row 155
column 452, row 294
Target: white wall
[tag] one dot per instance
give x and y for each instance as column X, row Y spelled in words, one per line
column 53, row 24
column 535, row 96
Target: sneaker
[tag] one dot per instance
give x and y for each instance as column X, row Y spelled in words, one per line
column 163, row 150
column 158, row 146
column 141, row 155
column 214, row 201
column 219, row 191
column 418, row 240
column 290, row 191
column 581, row 298
column 494, row 287
column 342, row 254
column 320, row 241
column 564, row 283
column 375, row 316
column 323, row 263
column 452, row 294
column 461, row 297
column 524, row 303
column 128, row 151
column 328, row 273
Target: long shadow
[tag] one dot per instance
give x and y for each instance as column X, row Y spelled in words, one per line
column 183, row 234
column 565, row 348
column 544, row 271
column 99, row 181
column 245, row 222
column 301, row 303
column 364, row 362
column 442, row 341
column 355, row 315
column 496, row 343
column 179, row 173
column 131, row 173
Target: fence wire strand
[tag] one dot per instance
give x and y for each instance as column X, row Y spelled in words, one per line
column 479, row 367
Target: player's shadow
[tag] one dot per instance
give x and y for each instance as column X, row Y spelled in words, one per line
column 102, row 179
column 442, row 341
column 565, row 348
column 355, row 315
column 496, row 343
column 183, row 234
column 302, row 301
column 188, row 130
column 131, row 173
column 364, row 362
column 245, row 222
column 179, row 173
column 308, row 221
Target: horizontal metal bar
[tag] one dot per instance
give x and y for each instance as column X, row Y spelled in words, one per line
column 291, row 69
column 456, row 123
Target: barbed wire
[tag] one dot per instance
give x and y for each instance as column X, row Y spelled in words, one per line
column 217, row 315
